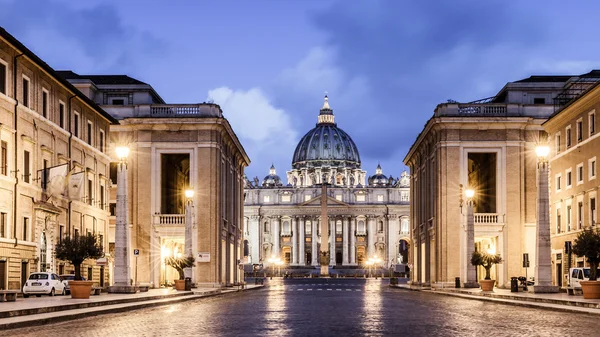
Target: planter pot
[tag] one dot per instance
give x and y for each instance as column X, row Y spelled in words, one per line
column 591, row 289
column 487, row 285
column 179, row 284
column 81, row 289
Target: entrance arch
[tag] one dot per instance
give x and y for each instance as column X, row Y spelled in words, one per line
column 402, row 251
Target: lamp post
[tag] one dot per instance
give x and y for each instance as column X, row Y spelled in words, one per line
column 122, row 274
column 543, row 268
column 471, row 272
column 189, row 208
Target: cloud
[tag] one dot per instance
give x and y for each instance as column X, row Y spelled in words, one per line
column 266, row 132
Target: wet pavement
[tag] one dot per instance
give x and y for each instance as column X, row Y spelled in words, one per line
column 329, row 307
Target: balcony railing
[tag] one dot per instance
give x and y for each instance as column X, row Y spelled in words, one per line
column 169, row 219
column 488, row 218
column 493, row 109
column 185, row 110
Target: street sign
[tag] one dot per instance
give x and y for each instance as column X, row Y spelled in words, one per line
column 136, row 252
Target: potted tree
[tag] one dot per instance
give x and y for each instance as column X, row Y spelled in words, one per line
column 486, row 261
column 587, row 244
column 180, row 263
column 76, row 250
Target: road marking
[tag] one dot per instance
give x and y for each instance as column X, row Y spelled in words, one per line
column 348, row 289
column 319, row 289
column 300, row 289
column 329, row 289
column 338, row 289
column 310, row 289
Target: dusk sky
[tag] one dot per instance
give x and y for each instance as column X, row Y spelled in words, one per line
column 385, row 64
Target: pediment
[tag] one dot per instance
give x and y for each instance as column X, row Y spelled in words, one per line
column 316, row 201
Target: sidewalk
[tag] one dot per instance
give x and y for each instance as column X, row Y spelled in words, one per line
column 556, row 301
column 45, row 309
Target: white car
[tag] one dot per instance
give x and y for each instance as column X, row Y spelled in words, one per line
column 43, row 283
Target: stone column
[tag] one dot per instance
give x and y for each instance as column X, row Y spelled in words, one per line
column 315, row 240
column 471, row 272
column 372, row 233
column 543, row 256
column 301, row 233
column 254, row 229
column 345, row 239
column 294, row 241
column 353, row 241
column 393, row 230
column 275, row 236
column 332, row 242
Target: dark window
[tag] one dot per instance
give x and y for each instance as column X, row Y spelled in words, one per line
column 592, row 124
column 76, row 125
column 593, row 211
column 113, row 208
column 90, row 191
column 76, row 232
column 61, row 115
column 539, row 101
column 113, row 172
column 101, row 197
column 90, row 272
column 26, row 168
column 4, row 158
column 45, row 174
column 25, row 228
column 579, row 214
column 101, row 145
column 61, row 233
column 568, row 179
column 3, row 78
column 118, row 102
column 580, row 173
column 45, row 104
column 579, row 131
column 26, row 92
column 568, row 137
column 89, row 133
column 3, row 224
column 2, row 270
column 61, row 269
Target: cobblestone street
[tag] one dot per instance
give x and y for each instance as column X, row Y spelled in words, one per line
column 328, row 307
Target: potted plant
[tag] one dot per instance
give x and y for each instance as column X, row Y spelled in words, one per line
column 587, row 244
column 486, row 261
column 180, row 263
column 76, row 250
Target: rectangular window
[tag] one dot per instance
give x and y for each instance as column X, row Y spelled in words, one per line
column 113, row 172
column 101, row 197
column 266, row 198
column 112, row 208
column 338, row 197
column 557, row 143
column 3, row 78
column 45, row 103
column 593, row 211
column 592, row 168
column 25, row 92
column 26, row 167
column 592, row 122
column 579, row 130
column 286, row 198
column 579, row 174
column 3, row 224
column 90, row 192
column 360, row 197
column 61, row 115
column 76, row 232
column 118, row 101
column 307, row 197
column 539, row 100
column 45, row 174
column 558, row 221
column 558, row 182
column 380, row 197
column 4, row 158
column 89, row 132
column 568, row 218
column 579, row 214
column 569, row 181
column 25, row 228
column 101, row 145
column 76, row 124
column 568, row 136
column 61, row 233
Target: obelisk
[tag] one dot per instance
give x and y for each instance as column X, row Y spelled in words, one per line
column 324, row 253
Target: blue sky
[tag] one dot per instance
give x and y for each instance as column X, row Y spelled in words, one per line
column 386, row 64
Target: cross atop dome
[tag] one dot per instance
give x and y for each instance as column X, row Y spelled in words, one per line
column 326, row 114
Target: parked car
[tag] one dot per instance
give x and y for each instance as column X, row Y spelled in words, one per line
column 43, row 283
column 65, row 281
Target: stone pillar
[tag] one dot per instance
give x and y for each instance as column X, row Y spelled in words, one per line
column 471, row 272
column 346, row 238
column 294, row 241
column 301, row 233
column 543, row 256
column 372, row 233
column 332, row 241
column 189, row 207
column 275, row 236
column 353, row 241
column 254, row 229
column 315, row 240
column 393, row 230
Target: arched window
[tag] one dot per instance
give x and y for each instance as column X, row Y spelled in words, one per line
column 308, row 228
column 361, row 227
column 286, row 227
column 404, row 226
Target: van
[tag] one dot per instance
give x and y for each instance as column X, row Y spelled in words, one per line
column 576, row 275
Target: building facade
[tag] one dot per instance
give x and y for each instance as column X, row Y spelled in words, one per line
column 488, row 146
column 368, row 217
column 574, row 143
column 51, row 136
column 174, row 147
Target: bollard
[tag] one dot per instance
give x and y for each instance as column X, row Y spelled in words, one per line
column 514, row 285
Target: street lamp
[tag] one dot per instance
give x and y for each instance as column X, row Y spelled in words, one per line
column 122, row 274
column 189, row 208
column 543, row 268
column 471, row 272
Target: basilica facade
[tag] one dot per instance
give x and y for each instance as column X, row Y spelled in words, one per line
column 367, row 216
